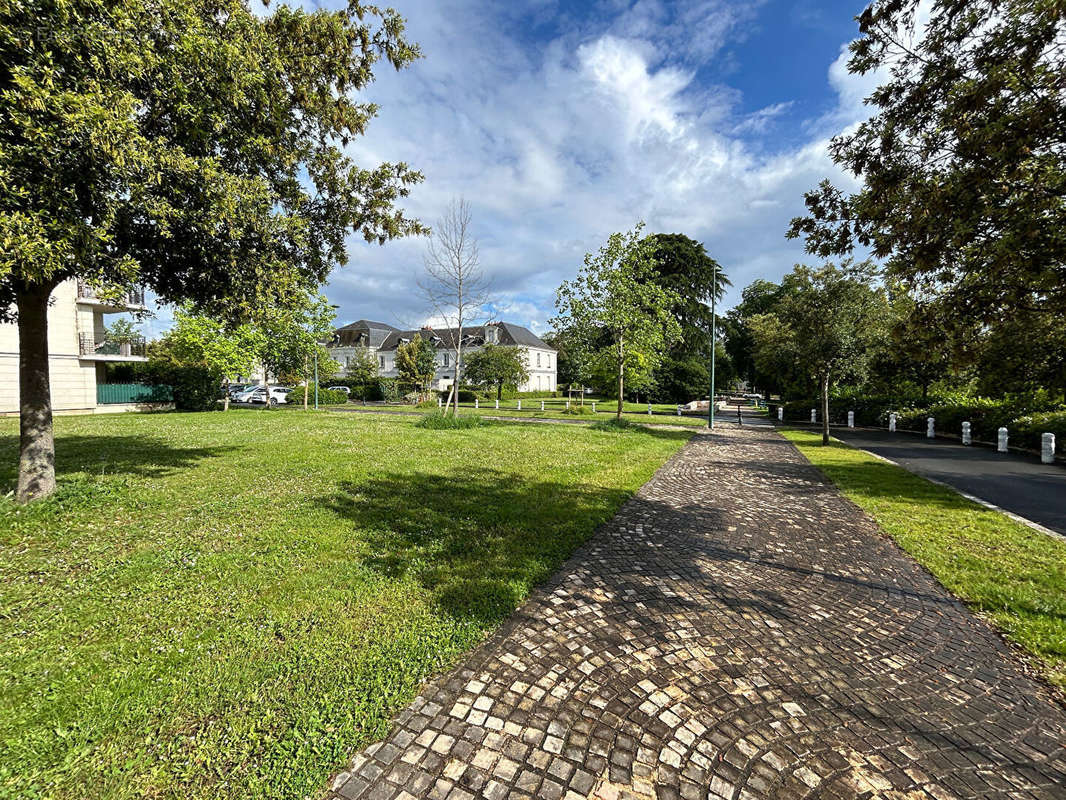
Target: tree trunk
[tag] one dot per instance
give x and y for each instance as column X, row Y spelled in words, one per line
column 621, row 376
column 37, row 474
column 825, row 408
column 458, row 355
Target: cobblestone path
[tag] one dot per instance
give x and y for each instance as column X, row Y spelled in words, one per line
column 738, row 630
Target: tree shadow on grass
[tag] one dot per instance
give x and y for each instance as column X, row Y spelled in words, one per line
column 478, row 538
column 142, row 456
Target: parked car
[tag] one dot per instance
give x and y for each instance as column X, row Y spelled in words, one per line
column 258, row 394
column 347, row 390
column 237, row 389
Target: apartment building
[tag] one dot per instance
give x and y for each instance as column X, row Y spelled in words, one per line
column 79, row 349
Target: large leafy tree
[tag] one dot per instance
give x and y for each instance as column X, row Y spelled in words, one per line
column 684, row 267
column 758, row 297
column 192, row 146
column 497, row 365
column 825, row 325
column 614, row 294
column 963, row 161
column 199, row 339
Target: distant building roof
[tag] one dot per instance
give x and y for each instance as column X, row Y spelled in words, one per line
column 507, row 334
column 363, row 332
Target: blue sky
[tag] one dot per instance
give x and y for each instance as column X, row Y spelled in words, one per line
column 560, row 122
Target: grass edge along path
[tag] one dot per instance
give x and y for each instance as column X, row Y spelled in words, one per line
column 1007, row 573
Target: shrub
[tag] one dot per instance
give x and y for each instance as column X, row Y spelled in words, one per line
column 1028, row 431
column 326, row 397
column 195, row 387
column 439, row 421
column 575, row 410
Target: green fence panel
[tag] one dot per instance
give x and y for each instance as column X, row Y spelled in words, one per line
column 107, row 393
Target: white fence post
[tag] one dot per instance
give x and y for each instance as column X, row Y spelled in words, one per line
column 476, row 405
column 1001, row 445
column 593, row 405
column 519, row 405
column 851, row 419
column 967, row 437
column 814, row 415
column 440, row 403
column 568, row 404
column 892, row 422
column 497, row 405
column 1047, row 448
column 541, row 405
column 780, row 413
column 930, row 427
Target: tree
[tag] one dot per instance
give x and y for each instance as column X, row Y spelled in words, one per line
column 495, row 365
column 963, row 161
column 758, row 297
column 685, row 268
column 207, row 341
column 292, row 338
column 613, row 292
column 416, row 363
column 826, row 323
column 194, row 147
column 454, row 285
column 362, row 368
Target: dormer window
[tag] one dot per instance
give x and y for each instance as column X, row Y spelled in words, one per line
column 492, row 334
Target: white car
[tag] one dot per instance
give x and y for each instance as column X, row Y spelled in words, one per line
column 344, row 389
column 258, row 394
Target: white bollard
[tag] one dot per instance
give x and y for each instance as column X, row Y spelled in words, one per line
column 1047, row 448
column 679, row 410
column 892, row 422
column 930, row 427
column 440, row 403
column 967, row 437
column 497, row 405
column 541, row 405
column 851, row 419
column 780, row 413
column 568, row 404
column 649, row 409
column 1001, row 445
column 519, row 405
column 814, row 415
column 593, row 405
column 476, row 405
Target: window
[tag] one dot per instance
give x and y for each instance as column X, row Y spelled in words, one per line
column 381, row 362
column 447, row 359
column 538, row 359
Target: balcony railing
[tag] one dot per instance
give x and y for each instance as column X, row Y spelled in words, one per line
column 133, row 297
column 106, row 347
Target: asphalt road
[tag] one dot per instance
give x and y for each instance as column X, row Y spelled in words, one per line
column 1017, row 483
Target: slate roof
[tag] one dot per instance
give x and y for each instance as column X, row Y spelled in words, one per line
column 510, row 335
column 375, row 331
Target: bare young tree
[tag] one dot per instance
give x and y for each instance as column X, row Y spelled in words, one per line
column 454, row 285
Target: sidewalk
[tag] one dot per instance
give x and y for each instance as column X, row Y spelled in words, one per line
column 738, row 630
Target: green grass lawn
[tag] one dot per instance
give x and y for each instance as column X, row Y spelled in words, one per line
column 227, row 605
column 556, row 409
column 1007, row 572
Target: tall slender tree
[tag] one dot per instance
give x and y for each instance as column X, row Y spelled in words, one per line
column 613, row 293
column 454, row 285
column 192, row 146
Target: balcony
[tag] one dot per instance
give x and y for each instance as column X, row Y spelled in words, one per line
column 93, row 349
column 131, row 300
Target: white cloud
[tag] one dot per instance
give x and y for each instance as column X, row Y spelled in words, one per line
column 558, row 144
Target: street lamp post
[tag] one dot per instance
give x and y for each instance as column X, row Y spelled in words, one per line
column 316, row 376
column 714, row 338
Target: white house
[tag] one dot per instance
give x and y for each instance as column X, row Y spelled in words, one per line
column 541, row 358
column 78, row 349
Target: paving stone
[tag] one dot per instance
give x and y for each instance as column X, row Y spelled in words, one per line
column 738, row 630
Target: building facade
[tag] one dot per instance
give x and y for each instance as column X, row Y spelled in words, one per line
column 540, row 357
column 381, row 341
column 79, row 348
